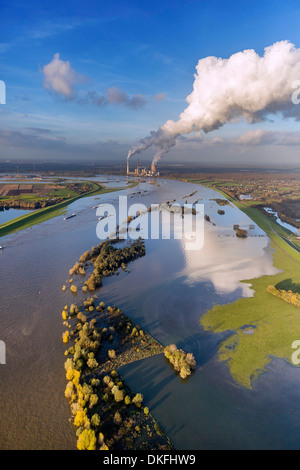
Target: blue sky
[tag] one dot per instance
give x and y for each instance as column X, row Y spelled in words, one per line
column 145, row 51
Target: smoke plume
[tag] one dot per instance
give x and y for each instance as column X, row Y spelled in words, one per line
column 244, row 86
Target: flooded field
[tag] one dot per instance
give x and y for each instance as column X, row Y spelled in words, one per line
column 166, row 292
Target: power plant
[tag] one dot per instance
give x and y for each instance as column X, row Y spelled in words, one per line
column 142, row 171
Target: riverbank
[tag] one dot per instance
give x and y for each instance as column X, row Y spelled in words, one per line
column 276, row 232
column 262, row 327
column 41, row 215
column 173, row 290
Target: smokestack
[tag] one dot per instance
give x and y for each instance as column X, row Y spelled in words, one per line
column 153, row 168
column 137, row 167
column 127, row 166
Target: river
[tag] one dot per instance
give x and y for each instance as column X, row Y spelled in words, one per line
column 165, row 292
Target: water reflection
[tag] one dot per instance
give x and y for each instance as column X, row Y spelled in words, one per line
column 226, row 261
column 165, row 292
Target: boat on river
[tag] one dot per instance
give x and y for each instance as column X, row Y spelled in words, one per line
column 69, row 216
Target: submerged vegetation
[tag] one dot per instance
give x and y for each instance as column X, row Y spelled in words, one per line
column 106, row 260
column 106, row 413
column 241, row 233
column 182, row 362
column 222, row 202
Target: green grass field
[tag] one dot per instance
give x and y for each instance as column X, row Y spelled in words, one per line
column 41, row 215
column 273, row 323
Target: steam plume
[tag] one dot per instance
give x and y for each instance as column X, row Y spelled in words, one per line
column 244, row 86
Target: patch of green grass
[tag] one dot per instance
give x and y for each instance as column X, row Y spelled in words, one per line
column 41, row 215
column 275, row 324
column 63, row 192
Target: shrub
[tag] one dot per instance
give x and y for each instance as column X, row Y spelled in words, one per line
column 87, row 440
column 103, row 447
column 119, row 395
column 73, row 309
column 95, row 420
column 85, row 257
column 93, row 400
column 69, row 374
column 158, row 429
column 184, row 371
column 95, row 383
column 105, row 398
column 81, row 317
column 69, row 392
column 80, row 418
column 64, row 315
column 288, row 296
column 138, row 400
column 117, row 418
column 106, row 379
column 181, row 361
column 240, row 233
column 92, row 363
column 66, row 336
column 127, row 400
column 111, row 353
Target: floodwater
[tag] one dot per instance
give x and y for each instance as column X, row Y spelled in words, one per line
column 11, row 214
column 165, row 292
column 281, row 222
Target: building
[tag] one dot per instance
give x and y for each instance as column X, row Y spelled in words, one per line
column 142, row 171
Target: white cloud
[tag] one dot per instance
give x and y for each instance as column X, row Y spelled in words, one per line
column 262, row 137
column 60, row 77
